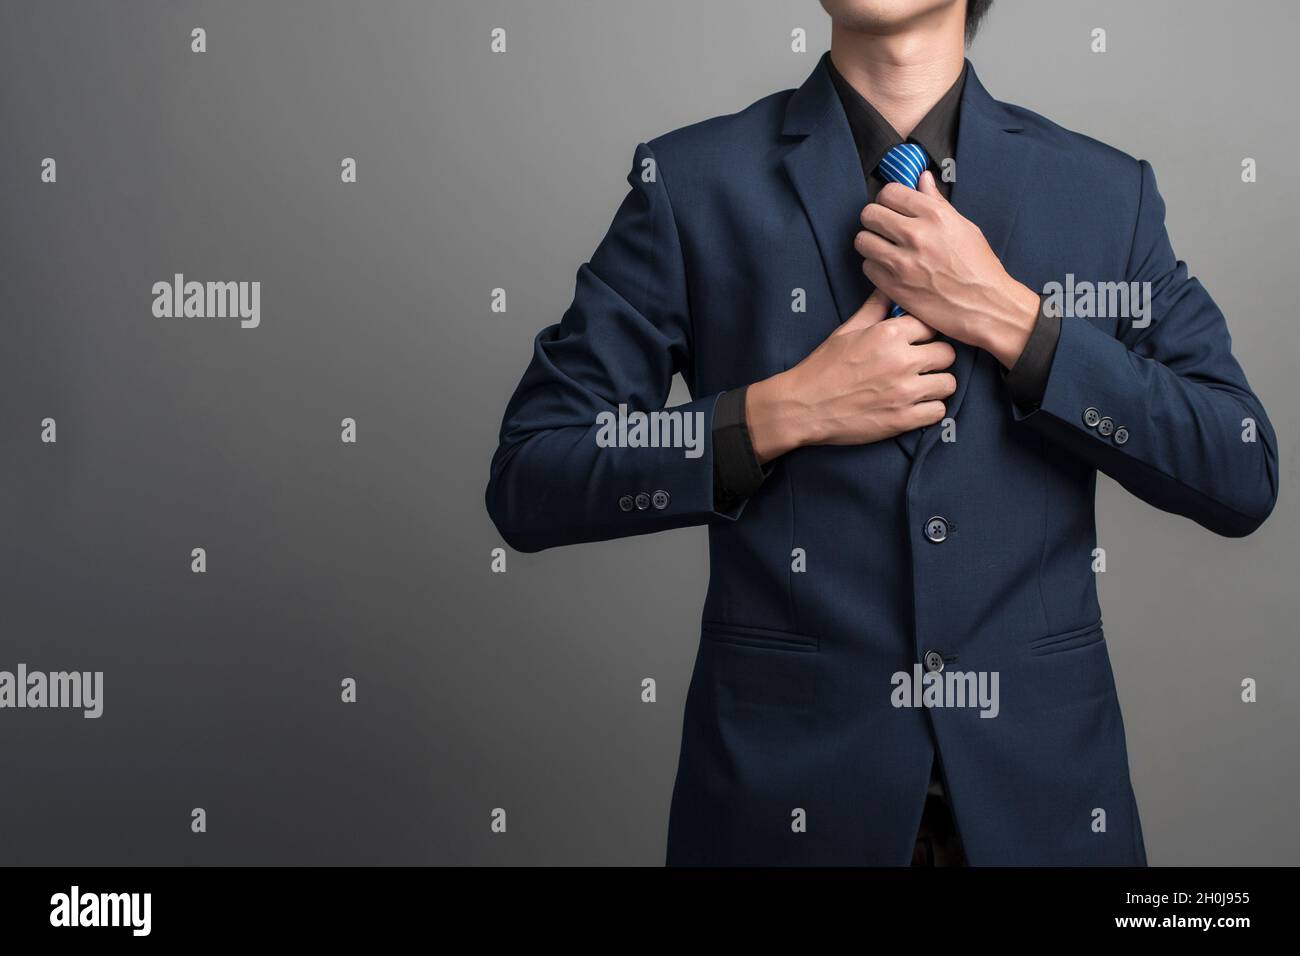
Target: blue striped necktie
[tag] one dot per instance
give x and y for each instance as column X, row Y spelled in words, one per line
column 903, row 164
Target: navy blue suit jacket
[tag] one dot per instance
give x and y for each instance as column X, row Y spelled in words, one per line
column 790, row 707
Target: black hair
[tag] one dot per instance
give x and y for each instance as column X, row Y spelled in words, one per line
column 976, row 11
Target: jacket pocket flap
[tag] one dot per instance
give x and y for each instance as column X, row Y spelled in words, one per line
column 749, row 636
column 1067, row 640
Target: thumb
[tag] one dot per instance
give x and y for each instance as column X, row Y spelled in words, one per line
column 927, row 186
column 872, row 311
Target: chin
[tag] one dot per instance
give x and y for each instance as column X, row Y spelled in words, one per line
column 882, row 16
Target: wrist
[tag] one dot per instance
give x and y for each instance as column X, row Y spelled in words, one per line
column 1008, row 332
column 770, row 418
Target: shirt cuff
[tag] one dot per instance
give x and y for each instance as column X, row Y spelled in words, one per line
column 736, row 471
column 1027, row 380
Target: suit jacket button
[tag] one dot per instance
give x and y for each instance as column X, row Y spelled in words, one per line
column 1105, row 426
column 1121, row 435
column 1091, row 417
column 660, row 500
column 933, row 661
column 936, row 529
column 625, row 503
column 642, row 501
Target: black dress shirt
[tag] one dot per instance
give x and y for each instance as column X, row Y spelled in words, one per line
column 736, row 471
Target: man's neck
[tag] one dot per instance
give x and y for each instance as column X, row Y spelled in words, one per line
column 903, row 74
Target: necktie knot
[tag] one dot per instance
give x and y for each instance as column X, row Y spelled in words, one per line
column 904, row 164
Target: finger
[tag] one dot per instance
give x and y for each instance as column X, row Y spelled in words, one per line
column 935, row 386
column 924, row 414
column 908, row 202
column 933, row 356
column 912, row 328
column 929, row 186
column 874, row 248
column 885, row 222
column 869, row 313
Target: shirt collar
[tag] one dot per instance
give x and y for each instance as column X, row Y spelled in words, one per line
column 874, row 137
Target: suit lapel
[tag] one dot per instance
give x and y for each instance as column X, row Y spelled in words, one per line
column 826, row 172
column 991, row 160
column 827, row 176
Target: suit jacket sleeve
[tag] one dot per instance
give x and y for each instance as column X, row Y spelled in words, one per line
column 626, row 333
column 1196, row 440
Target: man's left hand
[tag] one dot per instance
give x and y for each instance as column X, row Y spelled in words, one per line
column 935, row 263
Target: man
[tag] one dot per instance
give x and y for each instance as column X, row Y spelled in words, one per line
column 916, row 322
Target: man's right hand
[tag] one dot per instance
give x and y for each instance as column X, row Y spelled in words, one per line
column 872, row 379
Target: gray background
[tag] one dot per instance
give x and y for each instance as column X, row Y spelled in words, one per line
column 325, row 560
